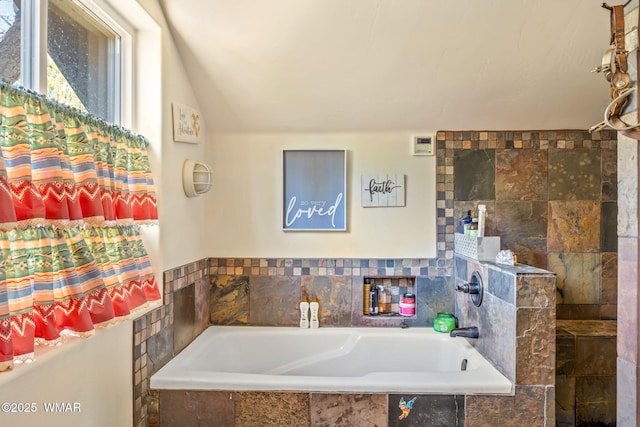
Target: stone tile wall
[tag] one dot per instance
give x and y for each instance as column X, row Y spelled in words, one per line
column 586, row 373
column 230, row 409
column 162, row 333
column 255, row 291
column 551, row 197
column 516, row 320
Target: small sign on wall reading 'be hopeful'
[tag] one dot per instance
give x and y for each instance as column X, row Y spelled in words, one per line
column 186, row 124
column 382, row 190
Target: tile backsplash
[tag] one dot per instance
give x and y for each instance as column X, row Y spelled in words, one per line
column 551, row 196
column 256, row 291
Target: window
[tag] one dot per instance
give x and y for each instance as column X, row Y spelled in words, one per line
column 10, row 40
column 65, row 49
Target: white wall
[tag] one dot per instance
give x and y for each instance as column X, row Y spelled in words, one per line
column 93, row 375
column 181, row 239
column 245, row 202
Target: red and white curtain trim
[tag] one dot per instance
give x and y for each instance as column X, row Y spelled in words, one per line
column 74, row 192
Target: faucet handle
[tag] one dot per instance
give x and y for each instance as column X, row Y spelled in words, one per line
column 468, row 288
column 473, row 288
column 464, row 287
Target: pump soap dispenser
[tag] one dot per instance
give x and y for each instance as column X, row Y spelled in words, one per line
column 304, row 313
column 314, row 305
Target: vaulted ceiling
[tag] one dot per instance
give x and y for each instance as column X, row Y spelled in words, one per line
column 386, row 65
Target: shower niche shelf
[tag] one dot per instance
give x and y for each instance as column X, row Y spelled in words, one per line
column 391, row 291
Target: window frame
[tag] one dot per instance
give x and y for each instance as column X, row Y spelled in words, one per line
column 33, row 53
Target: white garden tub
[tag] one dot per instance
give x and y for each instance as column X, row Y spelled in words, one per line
column 347, row 360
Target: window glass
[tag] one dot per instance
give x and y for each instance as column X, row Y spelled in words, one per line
column 82, row 60
column 10, row 40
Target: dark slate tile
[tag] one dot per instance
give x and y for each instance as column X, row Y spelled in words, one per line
column 574, row 226
column 159, row 349
column 536, row 346
column 577, row 311
column 609, row 174
column 329, row 410
column 229, row 300
column 274, row 300
column 609, row 293
column 526, row 408
column 608, row 311
column 502, row 285
column 535, row 291
column 202, row 306
column 334, row 296
column 590, row 328
column 595, row 355
column 271, row 409
column 495, row 319
column 565, row 401
column 575, row 174
column 521, row 174
column 427, row 411
column 461, row 267
column 196, row 408
column 591, row 389
column 433, row 295
column 522, row 227
column 184, row 317
column 600, row 414
column 578, row 277
column 565, row 356
column 608, row 227
column 474, row 172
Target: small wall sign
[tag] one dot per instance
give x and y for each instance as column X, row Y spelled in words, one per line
column 382, row 190
column 187, row 124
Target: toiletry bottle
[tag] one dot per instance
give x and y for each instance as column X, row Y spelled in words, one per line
column 482, row 211
column 367, row 296
column 373, row 309
column 464, row 222
column 472, row 228
column 314, row 306
column 304, row 314
column 382, row 299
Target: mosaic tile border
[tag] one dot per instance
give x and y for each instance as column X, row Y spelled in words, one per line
column 322, row 267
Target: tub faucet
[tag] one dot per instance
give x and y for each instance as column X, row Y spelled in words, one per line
column 470, row 332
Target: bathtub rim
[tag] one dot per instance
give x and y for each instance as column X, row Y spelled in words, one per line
column 172, row 376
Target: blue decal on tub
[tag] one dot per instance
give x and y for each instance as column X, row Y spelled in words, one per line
column 405, row 407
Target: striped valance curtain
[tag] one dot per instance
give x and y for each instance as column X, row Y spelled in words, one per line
column 74, row 192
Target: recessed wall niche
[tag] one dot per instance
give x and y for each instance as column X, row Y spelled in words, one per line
column 389, row 296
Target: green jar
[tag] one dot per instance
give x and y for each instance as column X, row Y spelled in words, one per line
column 444, row 322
